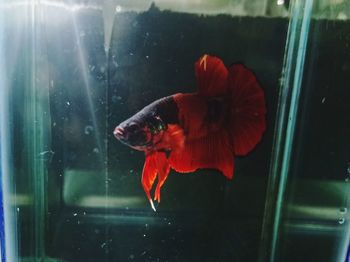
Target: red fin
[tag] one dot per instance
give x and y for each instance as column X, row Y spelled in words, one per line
column 156, row 164
column 212, row 151
column 247, row 119
column 211, row 76
column 173, row 138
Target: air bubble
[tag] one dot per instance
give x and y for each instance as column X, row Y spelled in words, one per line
column 341, row 220
column 343, row 210
column 88, row 130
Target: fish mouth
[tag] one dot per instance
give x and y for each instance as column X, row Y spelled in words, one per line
column 119, row 132
column 137, row 140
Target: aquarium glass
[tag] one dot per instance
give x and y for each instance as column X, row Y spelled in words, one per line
column 306, row 215
column 71, row 71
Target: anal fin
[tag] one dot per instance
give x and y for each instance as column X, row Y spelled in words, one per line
column 212, row 151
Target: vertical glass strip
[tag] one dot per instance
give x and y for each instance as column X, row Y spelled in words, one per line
column 8, row 217
column 39, row 126
column 285, row 124
column 2, row 111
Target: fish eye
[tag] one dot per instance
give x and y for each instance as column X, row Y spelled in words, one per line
column 133, row 127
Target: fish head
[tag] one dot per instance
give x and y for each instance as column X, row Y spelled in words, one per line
column 141, row 132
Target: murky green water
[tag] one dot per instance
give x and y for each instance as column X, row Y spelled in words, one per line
column 73, row 192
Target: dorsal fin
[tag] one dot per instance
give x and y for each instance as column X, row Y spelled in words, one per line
column 211, row 75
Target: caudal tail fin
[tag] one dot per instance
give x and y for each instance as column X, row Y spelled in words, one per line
column 247, row 121
column 247, row 103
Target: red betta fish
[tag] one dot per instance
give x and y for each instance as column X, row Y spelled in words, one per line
column 205, row 129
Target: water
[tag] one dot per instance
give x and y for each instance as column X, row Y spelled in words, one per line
column 77, row 70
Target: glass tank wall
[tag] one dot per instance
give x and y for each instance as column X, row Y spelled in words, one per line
column 72, row 70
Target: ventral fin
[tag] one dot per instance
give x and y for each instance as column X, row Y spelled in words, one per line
column 156, row 164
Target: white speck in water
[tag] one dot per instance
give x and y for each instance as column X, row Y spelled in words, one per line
column 323, row 100
column 115, row 98
column 144, row 235
column 78, row 222
column 102, row 69
column 96, row 150
column 92, row 68
column 341, row 220
column 103, row 244
column 75, row 214
column 44, row 153
column 132, row 256
column 131, row 53
column 68, row 103
column 169, row 223
column 17, row 209
column 280, row 2
column 88, row 130
column 147, row 56
column 118, row 9
column 347, row 179
column 131, row 171
column 84, row 213
column 343, row 210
